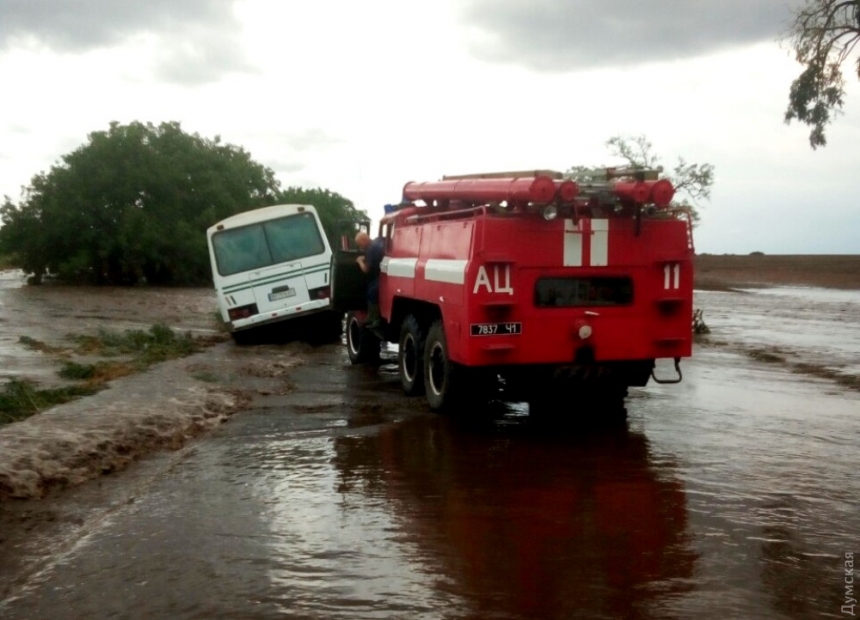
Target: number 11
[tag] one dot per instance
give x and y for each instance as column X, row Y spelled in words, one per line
column 667, row 276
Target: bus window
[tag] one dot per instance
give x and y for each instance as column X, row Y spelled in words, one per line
column 294, row 237
column 241, row 249
column 259, row 245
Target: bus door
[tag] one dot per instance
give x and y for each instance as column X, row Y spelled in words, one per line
column 279, row 286
column 349, row 283
column 299, row 258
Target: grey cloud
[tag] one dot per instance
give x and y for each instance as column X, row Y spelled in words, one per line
column 310, row 139
column 86, row 24
column 201, row 57
column 187, row 31
column 565, row 35
column 285, row 166
column 294, row 146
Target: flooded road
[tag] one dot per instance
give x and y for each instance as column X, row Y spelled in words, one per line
column 732, row 495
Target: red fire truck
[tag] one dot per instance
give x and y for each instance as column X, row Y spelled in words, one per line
column 529, row 287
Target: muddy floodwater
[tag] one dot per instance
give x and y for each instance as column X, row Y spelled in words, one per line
column 734, row 494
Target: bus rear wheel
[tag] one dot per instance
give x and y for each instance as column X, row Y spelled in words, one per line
column 243, row 338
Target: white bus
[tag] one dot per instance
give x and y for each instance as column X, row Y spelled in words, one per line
column 270, row 265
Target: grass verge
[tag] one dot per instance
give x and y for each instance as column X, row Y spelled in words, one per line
column 20, row 399
column 140, row 349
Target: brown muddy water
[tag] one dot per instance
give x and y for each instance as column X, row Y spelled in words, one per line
column 731, row 495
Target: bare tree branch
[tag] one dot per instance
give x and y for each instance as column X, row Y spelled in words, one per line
column 692, row 182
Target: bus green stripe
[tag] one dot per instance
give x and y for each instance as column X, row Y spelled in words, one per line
column 274, row 278
column 233, row 288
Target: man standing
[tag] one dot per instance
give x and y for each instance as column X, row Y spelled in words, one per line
column 374, row 251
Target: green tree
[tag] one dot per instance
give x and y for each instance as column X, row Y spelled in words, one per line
column 823, row 34
column 692, row 182
column 133, row 204
column 331, row 207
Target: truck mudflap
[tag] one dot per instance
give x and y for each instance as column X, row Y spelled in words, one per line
column 671, row 380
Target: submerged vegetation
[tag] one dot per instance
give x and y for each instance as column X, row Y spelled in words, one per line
column 699, row 325
column 21, row 399
column 134, row 350
column 158, row 344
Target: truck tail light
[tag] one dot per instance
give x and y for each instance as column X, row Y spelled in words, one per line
column 324, row 292
column 242, row 312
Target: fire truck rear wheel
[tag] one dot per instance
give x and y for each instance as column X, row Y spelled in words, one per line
column 441, row 379
column 410, row 360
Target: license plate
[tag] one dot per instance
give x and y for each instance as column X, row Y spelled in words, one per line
column 291, row 292
column 496, row 329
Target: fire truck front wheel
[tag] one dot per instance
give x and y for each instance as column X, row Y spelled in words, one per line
column 410, row 360
column 442, row 380
column 362, row 346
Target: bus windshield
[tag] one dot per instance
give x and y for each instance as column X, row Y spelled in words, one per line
column 267, row 243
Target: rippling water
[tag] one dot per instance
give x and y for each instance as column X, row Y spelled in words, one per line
column 820, row 326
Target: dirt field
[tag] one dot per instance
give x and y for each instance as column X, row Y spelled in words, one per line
column 716, row 272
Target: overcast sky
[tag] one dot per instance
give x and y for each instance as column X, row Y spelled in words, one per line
column 361, row 97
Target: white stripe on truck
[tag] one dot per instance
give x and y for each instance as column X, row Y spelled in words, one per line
column 599, row 243
column 572, row 244
column 445, row 270
column 399, row 267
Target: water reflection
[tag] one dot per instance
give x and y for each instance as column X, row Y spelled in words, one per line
column 531, row 522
